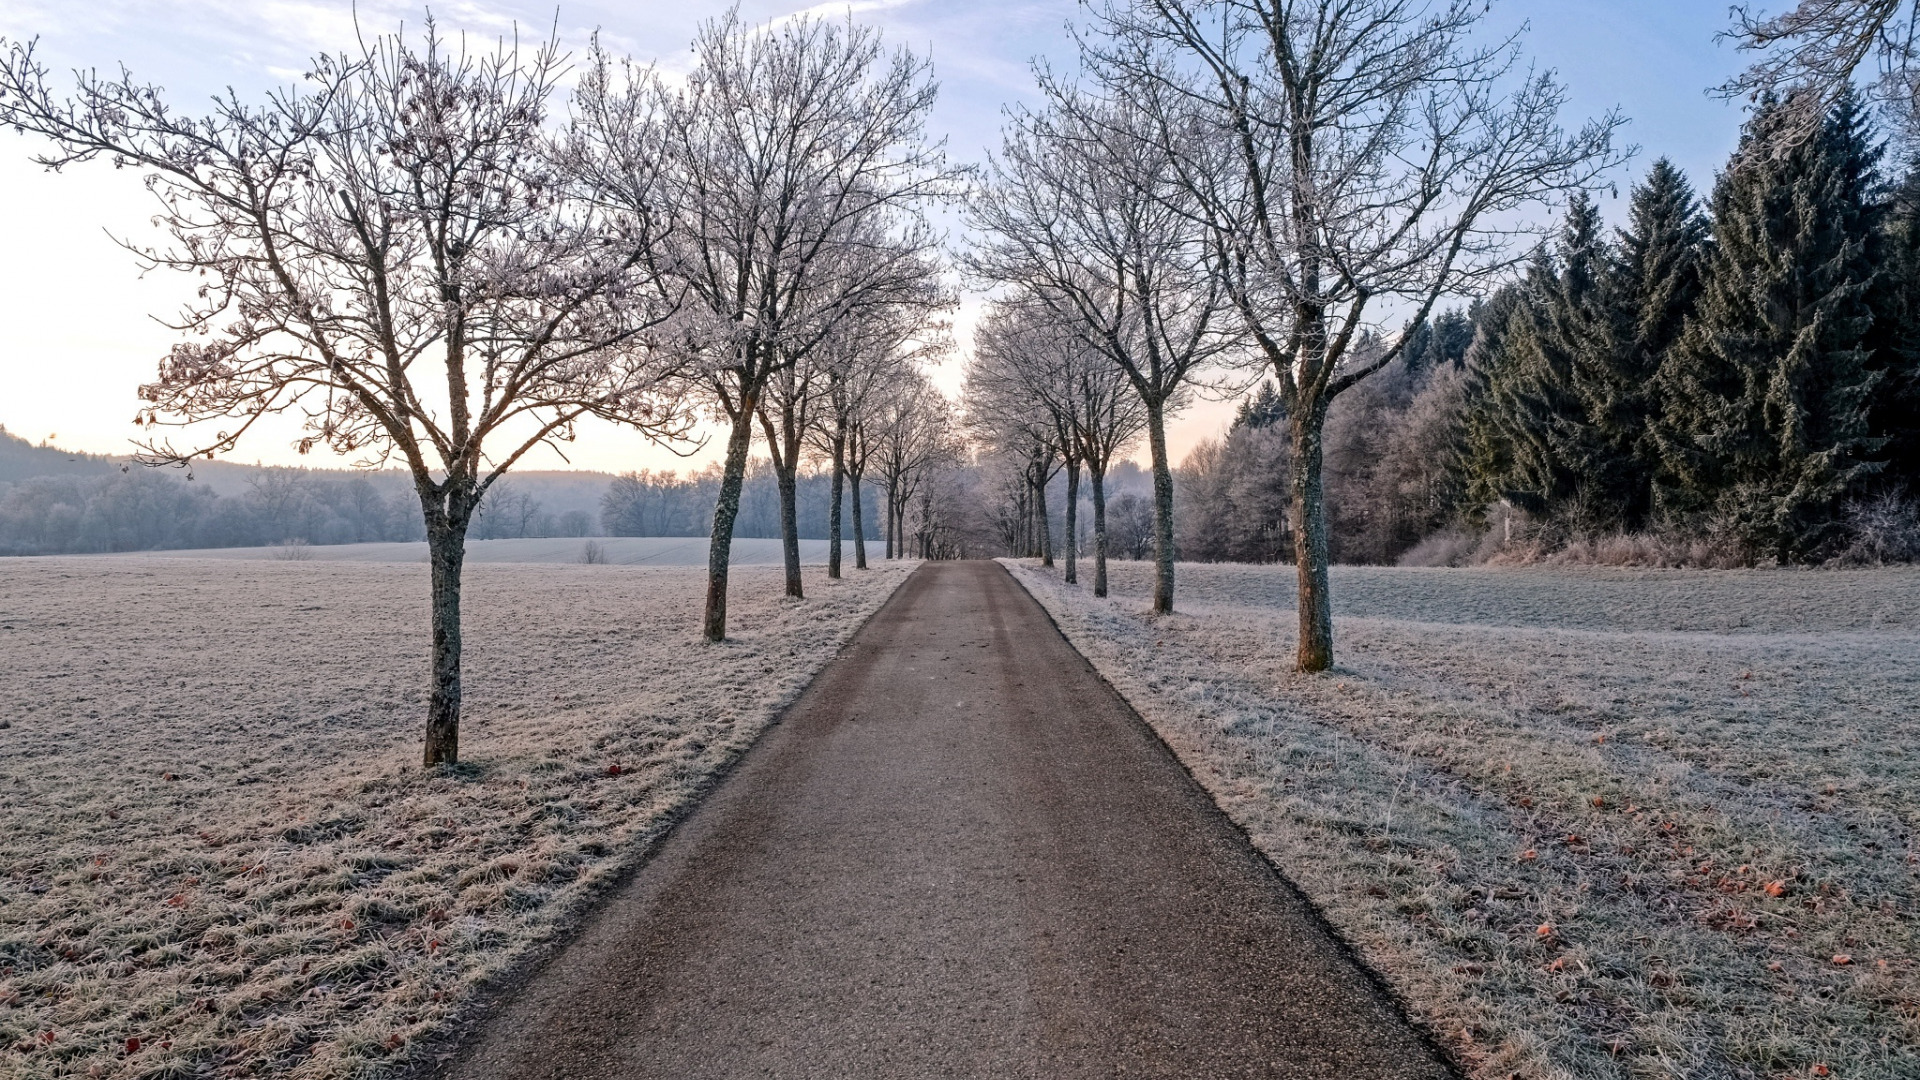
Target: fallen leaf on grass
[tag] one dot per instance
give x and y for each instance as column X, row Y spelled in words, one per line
column 1529, row 855
column 1545, row 929
column 1842, row 959
column 1776, row 888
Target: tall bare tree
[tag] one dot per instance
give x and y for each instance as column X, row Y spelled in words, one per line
column 910, row 428
column 394, row 253
column 788, row 151
column 1354, row 161
column 857, row 361
column 1090, row 399
column 1089, row 215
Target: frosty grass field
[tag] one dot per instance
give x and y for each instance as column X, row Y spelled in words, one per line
column 219, row 854
column 1586, row 823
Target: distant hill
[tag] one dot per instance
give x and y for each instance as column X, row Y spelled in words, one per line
column 22, row 460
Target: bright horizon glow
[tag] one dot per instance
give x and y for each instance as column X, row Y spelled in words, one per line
column 79, row 317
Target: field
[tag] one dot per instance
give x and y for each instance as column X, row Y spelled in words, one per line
column 218, row 855
column 1593, row 824
column 613, row 550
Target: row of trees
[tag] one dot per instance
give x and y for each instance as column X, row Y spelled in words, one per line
column 1256, row 185
column 413, row 253
column 1746, row 372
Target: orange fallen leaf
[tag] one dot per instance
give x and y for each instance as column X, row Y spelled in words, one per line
column 1775, row 965
column 1545, row 930
column 1776, row 888
column 1820, row 1069
column 1529, row 855
column 1842, row 959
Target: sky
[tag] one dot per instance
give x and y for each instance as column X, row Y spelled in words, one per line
column 77, row 329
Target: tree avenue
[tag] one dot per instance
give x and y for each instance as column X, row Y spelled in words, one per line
column 797, row 170
column 399, row 252
column 1350, row 162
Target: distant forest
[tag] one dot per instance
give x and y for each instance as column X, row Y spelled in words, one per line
column 54, row 501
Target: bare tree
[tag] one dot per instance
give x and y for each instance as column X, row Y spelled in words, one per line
column 910, row 429
column 1820, row 45
column 395, row 254
column 788, row 151
column 1355, row 160
column 1090, row 401
column 1088, row 214
column 1015, row 398
column 857, row 360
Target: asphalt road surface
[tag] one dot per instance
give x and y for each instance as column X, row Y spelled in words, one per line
column 958, row 855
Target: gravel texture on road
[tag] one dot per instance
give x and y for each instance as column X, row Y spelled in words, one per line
column 958, row 854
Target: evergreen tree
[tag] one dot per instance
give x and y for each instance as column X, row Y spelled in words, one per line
column 1765, row 401
column 1895, row 414
column 1546, row 399
column 1482, row 460
column 1655, row 287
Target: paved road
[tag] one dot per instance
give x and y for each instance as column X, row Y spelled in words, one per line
column 959, row 855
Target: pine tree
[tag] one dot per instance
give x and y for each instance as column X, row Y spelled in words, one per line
column 1558, row 367
column 1482, row 460
column 1655, row 285
column 1765, row 401
column 1895, row 414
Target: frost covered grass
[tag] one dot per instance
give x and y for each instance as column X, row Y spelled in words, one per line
column 220, row 856
column 1588, row 823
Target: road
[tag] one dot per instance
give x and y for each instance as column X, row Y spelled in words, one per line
column 958, row 855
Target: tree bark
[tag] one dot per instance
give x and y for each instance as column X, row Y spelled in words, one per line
column 891, row 499
column 1162, row 511
column 833, row 507
column 725, row 509
column 790, row 527
column 783, row 448
column 1310, row 538
column 447, row 553
column 859, row 526
column 1073, row 521
column 1040, row 519
column 1099, row 478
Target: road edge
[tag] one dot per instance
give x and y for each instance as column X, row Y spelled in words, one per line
column 1391, row 998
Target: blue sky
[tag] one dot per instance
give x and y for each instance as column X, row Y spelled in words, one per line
column 78, row 339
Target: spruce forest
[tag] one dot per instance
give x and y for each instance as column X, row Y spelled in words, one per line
column 1725, row 381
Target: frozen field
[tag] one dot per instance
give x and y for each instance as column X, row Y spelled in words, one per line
column 617, row 550
column 1587, row 823
column 218, row 856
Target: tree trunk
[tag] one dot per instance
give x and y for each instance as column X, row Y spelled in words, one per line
column 1099, row 478
column 859, row 526
column 1040, row 517
column 725, row 509
column 892, row 497
column 790, row 527
column 1162, row 511
column 1310, row 538
column 1073, row 520
column 833, row 507
column 783, row 447
column 447, row 554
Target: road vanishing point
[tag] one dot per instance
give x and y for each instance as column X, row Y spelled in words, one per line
column 958, row 854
